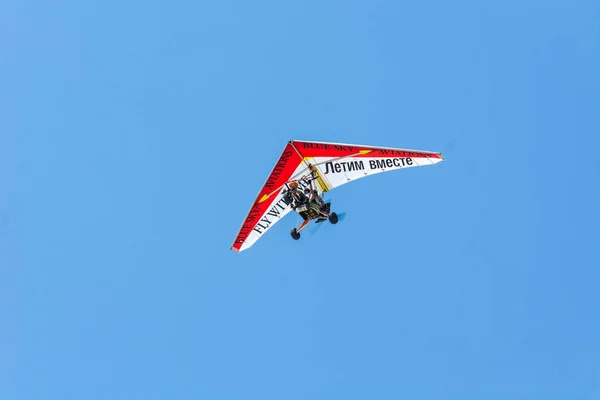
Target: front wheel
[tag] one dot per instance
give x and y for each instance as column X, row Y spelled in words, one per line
column 295, row 234
column 333, row 218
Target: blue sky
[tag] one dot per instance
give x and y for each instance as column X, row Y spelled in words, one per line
column 135, row 135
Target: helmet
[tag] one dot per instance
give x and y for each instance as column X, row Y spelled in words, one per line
column 294, row 185
column 306, row 191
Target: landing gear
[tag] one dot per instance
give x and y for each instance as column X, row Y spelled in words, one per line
column 313, row 212
column 333, row 218
column 295, row 234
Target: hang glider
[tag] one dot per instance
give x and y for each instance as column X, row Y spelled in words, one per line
column 318, row 167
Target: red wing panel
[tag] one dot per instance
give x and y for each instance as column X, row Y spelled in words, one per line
column 322, row 149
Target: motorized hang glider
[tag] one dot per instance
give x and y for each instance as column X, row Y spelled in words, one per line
column 320, row 166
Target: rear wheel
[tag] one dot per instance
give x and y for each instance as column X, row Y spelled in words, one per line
column 295, row 234
column 333, row 218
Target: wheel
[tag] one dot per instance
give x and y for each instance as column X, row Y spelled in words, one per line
column 295, row 234
column 333, row 218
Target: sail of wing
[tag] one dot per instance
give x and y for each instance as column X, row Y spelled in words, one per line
column 330, row 165
column 269, row 206
column 339, row 163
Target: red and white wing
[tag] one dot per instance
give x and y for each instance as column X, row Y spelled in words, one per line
column 269, row 206
column 332, row 165
column 339, row 163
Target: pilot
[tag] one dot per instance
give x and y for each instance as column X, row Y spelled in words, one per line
column 296, row 195
column 314, row 196
column 316, row 202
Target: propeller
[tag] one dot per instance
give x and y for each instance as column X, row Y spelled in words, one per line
column 341, row 216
